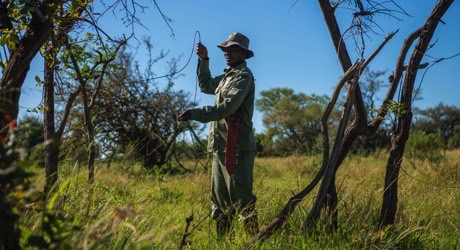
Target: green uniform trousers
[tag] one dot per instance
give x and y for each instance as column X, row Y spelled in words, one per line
column 233, row 194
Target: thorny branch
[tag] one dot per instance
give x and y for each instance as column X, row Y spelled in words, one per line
column 438, row 60
column 329, row 162
column 363, row 20
column 131, row 9
column 363, row 11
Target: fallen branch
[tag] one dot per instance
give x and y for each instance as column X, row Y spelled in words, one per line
column 184, row 241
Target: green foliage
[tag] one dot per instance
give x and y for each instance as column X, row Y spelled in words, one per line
column 30, row 137
column 86, row 58
column 292, row 121
column 454, row 141
column 259, row 138
column 424, row 146
column 82, row 67
column 18, row 16
column 9, row 39
column 14, row 186
column 366, row 145
column 396, row 108
column 443, row 120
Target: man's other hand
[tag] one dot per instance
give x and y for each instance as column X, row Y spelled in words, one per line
column 184, row 116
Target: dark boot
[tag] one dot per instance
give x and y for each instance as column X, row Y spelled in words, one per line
column 222, row 227
column 251, row 225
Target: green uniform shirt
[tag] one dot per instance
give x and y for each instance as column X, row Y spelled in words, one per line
column 234, row 91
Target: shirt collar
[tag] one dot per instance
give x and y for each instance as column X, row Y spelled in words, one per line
column 237, row 68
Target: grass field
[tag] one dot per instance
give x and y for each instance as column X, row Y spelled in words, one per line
column 131, row 208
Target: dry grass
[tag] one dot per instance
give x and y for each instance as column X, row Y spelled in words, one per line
column 134, row 208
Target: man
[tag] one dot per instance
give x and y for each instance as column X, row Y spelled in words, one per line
column 231, row 138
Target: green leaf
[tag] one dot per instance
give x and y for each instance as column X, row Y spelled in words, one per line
column 38, row 241
column 37, row 79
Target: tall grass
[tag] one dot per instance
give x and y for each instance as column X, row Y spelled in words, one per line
column 132, row 208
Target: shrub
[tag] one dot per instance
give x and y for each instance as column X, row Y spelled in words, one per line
column 425, row 146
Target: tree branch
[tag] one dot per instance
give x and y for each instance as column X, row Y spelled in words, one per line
column 35, row 11
column 399, row 68
column 66, row 114
column 101, row 76
column 287, row 210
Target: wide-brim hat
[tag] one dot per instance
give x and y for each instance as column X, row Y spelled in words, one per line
column 239, row 39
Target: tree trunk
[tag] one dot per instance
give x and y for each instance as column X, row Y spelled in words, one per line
column 9, row 235
column 51, row 141
column 327, row 188
column 90, row 130
column 15, row 73
column 358, row 127
column 390, row 195
column 331, row 207
column 390, row 200
column 51, row 135
column 330, row 164
column 87, row 116
column 345, row 61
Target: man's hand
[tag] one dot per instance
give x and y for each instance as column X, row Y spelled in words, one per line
column 184, row 116
column 201, row 51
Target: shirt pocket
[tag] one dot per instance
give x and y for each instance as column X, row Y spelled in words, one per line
column 218, row 89
column 227, row 88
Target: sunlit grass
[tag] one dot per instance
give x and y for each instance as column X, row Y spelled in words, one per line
column 130, row 207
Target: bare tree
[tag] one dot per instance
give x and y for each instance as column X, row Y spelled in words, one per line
column 401, row 134
column 137, row 112
column 360, row 126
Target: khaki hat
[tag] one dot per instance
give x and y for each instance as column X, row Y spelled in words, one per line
column 239, row 39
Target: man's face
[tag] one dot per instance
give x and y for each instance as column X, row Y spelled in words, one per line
column 234, row 55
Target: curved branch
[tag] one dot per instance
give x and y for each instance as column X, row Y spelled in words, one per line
column 66, row 114
column 377, row 51
column 395, row 79
column 101, row 76
column 90, row 22
column 336, row 153
column 287, row 210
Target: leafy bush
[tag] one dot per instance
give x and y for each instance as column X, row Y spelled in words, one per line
column 424, row 146
column 14, row 185
column 30, row 138
column 454, row 141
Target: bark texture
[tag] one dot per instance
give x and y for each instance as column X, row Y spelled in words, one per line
column 401, row 135
column 360, row 126
column 15, row 73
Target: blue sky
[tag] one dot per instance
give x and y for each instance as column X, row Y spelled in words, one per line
column 291, row 44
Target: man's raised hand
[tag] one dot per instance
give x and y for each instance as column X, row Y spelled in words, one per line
column 201, row 51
